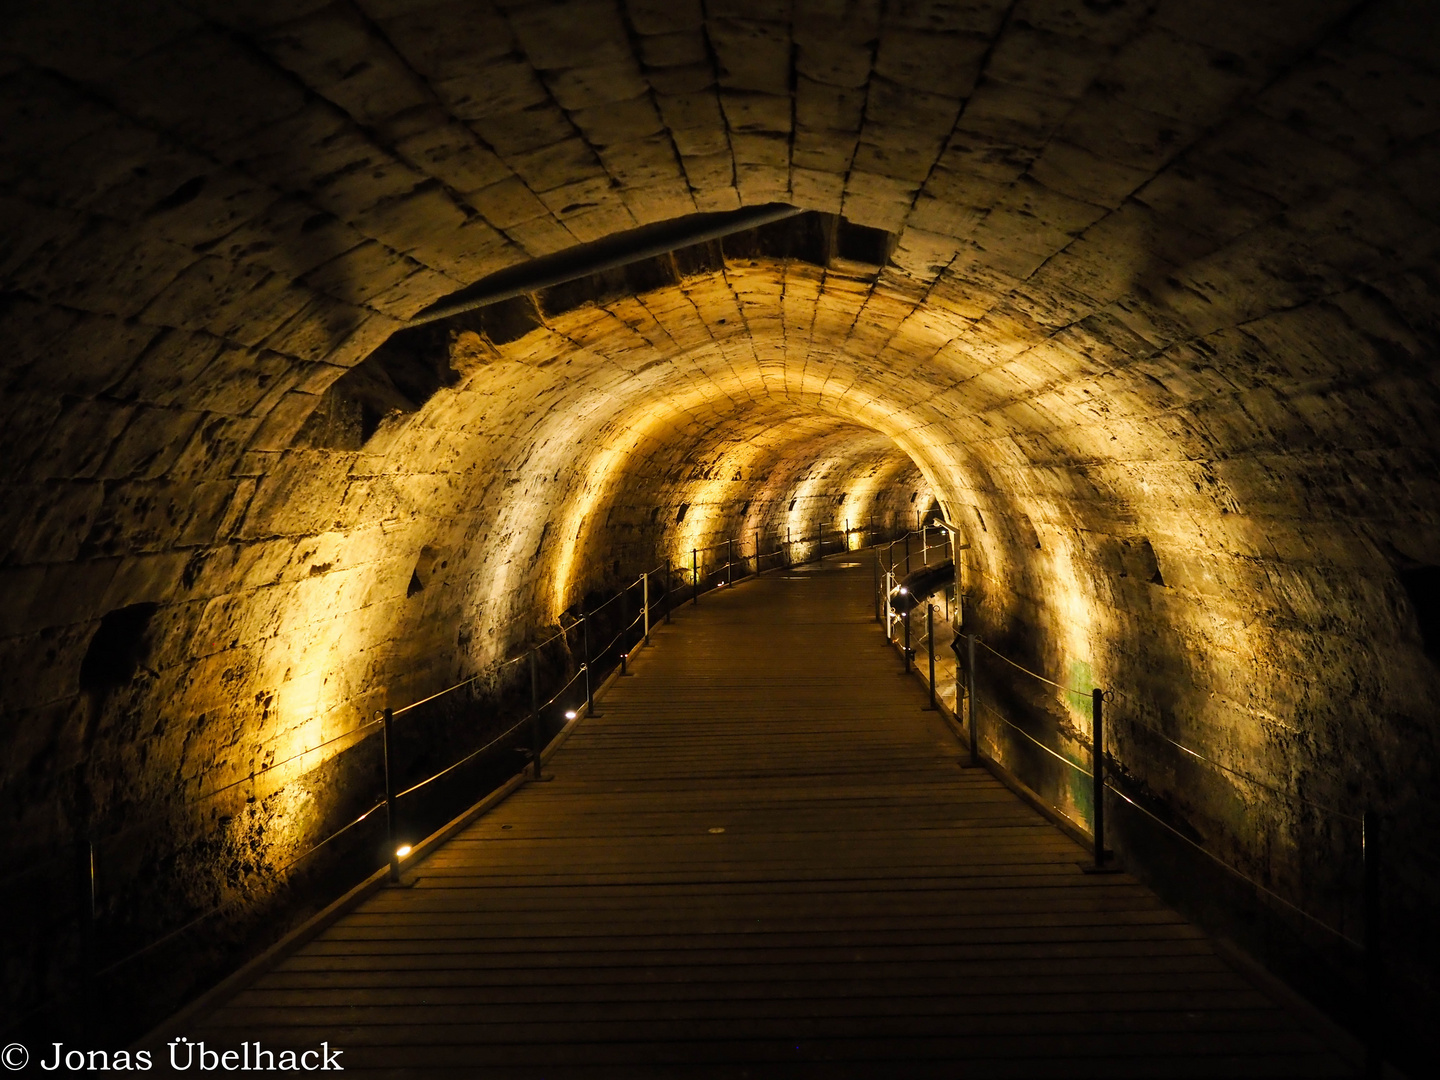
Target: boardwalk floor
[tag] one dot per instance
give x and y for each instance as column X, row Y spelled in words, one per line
column 764, row 860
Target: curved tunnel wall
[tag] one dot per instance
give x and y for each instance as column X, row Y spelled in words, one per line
column 1156, row 327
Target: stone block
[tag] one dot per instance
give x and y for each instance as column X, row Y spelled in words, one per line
column 760, row 183
column 840, row 64
column 664, row 16
column 71, row 353
column 318, row 329
column 1079, row 174
column 162, row 369
column 540, row 236
column 935, row 63
column 335, row 52
column 236, row 381
column 78, row 440
column 1106, row 26
column 881, row 202
column 570, row 33
column 356, row 275
column 108, row 270
column 752, row 55
column 671, row 50
column 1190, row 83
column 608, row 217
column 642, row 163
column 1010, row 122
column 825, row 108
column 554, row 166
column 982, row 17
column 761, row 149
column 498, row 89
column 508, row 203
column 452, row 154
column 620, row 121
column 412, row 222
column 817, row 190
column 251, row 317
column 659, row 202
column 746, row 112
column 912, row 163
column 207, row 90
column 413, row 294
column 447, row 40
column 681, row 78
column 150, row 444
column 595, row 85
column 189, row 302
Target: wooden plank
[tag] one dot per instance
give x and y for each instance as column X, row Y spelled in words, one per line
column 870, row 907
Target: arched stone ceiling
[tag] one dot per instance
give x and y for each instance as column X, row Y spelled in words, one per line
column 1163, row 280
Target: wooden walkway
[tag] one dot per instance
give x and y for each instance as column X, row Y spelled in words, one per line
column 765, row 860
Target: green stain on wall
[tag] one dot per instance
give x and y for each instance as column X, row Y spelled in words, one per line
column 1082, row 679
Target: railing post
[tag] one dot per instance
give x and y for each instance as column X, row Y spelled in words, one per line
column 645, row 599
column 667, row 590
column 729, row 561
column 930, row 646
column 907, row 554
column 390, row 823
column 877, row 584
column 1097, row 771
column 905, row 618
column 1374, row 969
column 624, row 627
column 535, row 734
column 585, row 653
column 820, row 545
column 695, row 575
column 757, row 552
column 925, row 545
column 973, row 709
column 889, row 626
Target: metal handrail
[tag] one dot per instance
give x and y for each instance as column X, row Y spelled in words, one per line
column 359, row 734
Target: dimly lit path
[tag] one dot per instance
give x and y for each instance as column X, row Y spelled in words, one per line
column 766, row 859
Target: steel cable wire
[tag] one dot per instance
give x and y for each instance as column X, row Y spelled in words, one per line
column 1055, row 754
column 1032, row 674
column 1237, row 873
column 196, row 920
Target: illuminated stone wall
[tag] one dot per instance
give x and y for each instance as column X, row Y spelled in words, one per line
column 1158, row 332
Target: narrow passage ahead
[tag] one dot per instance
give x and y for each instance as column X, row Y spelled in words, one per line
column 765, row 860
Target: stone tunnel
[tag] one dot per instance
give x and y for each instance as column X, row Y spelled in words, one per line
column 350, row 345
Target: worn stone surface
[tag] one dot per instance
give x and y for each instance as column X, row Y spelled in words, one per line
column 1162, row 275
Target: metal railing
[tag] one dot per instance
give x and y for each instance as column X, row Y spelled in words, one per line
column 1109, row 778
column 573, row 694
column 705, row 573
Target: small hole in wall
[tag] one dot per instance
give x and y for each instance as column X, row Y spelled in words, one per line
column 680, row 514
column 745, row 507
column 425, row 566
column 655, row 515
column 912, row 495
column 1422, row 587
column 793, row 502
column 117, row 650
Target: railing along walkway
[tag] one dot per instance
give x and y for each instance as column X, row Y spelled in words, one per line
column 764, row 859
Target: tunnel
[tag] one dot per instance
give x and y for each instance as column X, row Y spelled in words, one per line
column 353, row 347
